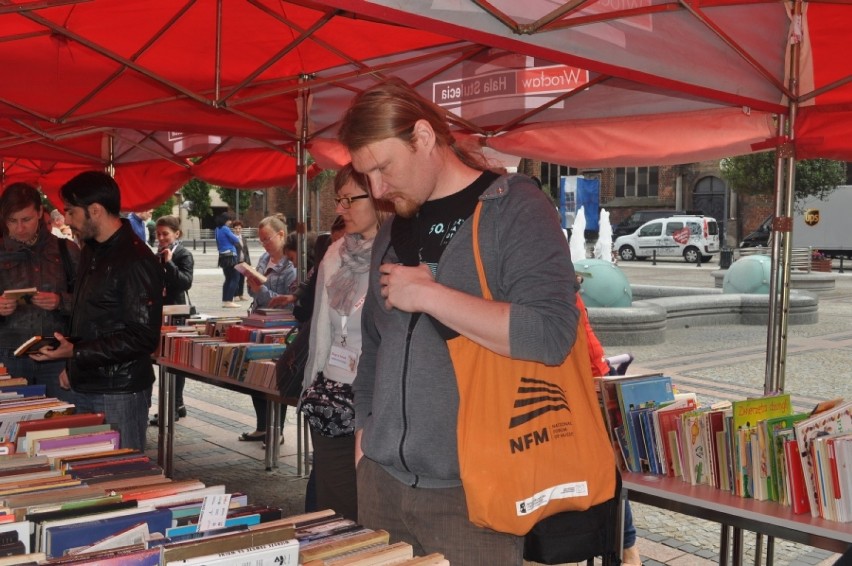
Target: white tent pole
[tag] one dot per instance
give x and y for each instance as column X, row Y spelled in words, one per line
column 773, row 330
column 785, row 182
column 302, row 188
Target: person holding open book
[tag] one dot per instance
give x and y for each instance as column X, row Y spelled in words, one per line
column 335, row 345
column 280, row 279
column 33, row 258
column 117, row 314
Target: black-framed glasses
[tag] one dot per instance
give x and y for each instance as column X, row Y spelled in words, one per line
column 346, row 202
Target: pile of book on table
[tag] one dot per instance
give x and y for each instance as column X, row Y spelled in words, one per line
column 757, row 448
column 67, row 498
column 240, row 348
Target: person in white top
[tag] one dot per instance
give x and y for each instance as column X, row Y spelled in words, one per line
column 335, row 344
column 58, row 227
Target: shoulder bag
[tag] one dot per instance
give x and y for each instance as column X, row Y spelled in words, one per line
column 290, row 367
column 531, row 437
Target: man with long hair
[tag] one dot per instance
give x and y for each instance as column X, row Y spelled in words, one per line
column 406, row 397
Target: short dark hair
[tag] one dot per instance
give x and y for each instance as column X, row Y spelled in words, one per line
column 222, row 219
column 171, row 222
column 236, row 223
column 93, row 187
column 17, row 197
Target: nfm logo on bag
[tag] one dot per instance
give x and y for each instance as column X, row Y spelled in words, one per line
column 535, row 399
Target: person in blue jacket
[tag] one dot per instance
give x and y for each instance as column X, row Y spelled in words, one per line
column 228, row 245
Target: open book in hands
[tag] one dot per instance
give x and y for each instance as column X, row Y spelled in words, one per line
column 249, row 271
column 20, row 294
column 35, row 343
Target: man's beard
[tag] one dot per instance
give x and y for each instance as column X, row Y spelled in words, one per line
column 404, row 206
column 87, row 231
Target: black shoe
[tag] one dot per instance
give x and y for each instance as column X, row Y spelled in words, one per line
column 180, row 412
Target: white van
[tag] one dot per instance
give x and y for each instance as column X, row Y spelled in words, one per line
column 695, row 238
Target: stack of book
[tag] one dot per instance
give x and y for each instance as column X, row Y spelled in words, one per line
column 23, row 403
column 113, row 506
column 244, row 361
column 8, row 380
column 755, row 448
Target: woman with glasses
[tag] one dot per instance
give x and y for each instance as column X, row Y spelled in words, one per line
column 335, row 345
column 280, row 280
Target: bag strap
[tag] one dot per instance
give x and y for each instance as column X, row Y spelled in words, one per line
column 477, row 256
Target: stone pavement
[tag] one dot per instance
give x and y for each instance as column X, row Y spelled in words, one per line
column 719, row 362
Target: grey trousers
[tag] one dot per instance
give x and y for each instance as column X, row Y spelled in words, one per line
column 431, row 520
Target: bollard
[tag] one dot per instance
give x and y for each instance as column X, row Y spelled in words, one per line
column 194, row 244
column 698, row 261
column 654, row 257
column 204, row 246
column 841, row 265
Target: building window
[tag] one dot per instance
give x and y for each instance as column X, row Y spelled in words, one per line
column 637, row 181
column 551, row 173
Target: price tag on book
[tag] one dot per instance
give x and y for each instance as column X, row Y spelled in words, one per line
column 214, row 512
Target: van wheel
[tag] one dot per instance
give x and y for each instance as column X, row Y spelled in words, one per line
column 691, row 254
column 627, row 253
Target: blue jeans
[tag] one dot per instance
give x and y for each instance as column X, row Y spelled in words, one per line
column 229, row 287
column 37, row 373
column 127, row 412
column 629, row 527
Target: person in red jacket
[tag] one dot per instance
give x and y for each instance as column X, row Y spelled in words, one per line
column 600, row 367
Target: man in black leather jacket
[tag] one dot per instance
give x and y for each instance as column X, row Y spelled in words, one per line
column 118, row 306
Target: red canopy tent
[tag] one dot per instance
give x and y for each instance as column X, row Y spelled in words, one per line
column 107, row 83
column 590, row 83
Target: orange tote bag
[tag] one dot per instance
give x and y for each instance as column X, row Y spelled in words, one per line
column 531, row 438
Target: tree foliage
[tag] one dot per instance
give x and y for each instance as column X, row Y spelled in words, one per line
column 164, row 209
column 197, row 192
column 755, row 174
column 230, row 196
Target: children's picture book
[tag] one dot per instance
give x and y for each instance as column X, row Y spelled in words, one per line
column 649, row 392
column 833, row 421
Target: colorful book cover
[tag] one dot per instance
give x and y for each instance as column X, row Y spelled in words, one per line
column 70, row 441
column 668, row 418
column 834, row 421
column 652, row 391
column 696, row 462
column 774, row 452
column 749, row 412
column 799, row 500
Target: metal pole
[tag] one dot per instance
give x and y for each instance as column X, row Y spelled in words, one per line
column 302, row 187
column 777, row 377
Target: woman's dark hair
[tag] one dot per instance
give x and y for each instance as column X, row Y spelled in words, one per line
column 222, row 219
column 236, row 223
column 92, row 187
column 17, row 197
column 171, row 222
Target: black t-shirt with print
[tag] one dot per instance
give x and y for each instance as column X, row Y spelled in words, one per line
column 424, row 237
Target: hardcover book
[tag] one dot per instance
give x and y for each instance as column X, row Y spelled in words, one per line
column 61, row 538
column 248, row 271
column 833, row 421
column 653, row 391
